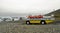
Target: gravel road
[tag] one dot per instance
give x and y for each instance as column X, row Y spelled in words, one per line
column 17, row 27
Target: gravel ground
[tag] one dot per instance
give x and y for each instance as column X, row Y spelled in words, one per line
column 19, row 28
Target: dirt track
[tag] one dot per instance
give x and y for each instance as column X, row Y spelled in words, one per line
column 18, row 28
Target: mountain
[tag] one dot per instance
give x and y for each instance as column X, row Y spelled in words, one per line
column 56, row 14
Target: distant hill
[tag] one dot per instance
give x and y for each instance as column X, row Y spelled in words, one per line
column 56, row 14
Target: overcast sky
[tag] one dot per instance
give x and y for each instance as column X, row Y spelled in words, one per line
column 29, row 6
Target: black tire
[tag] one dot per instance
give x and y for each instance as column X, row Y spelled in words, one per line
column 27, row 22
column 42, row 22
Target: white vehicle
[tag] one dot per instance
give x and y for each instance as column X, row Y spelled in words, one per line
column 6, row 18
column 1, row 20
